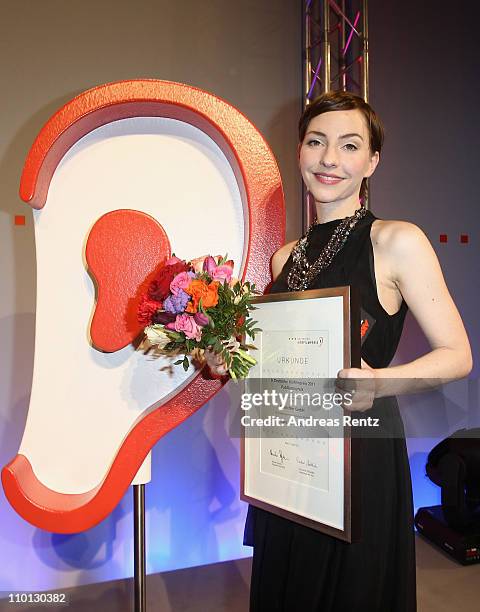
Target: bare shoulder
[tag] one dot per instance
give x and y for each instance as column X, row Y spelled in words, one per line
column 403, row 249
column 399, row 238
column 280, row 257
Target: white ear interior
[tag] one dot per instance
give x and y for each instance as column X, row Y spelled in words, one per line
column 83, row 402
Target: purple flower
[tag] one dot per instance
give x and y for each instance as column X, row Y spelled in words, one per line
column 200, row 319
column 176, row 303
column 163, row 317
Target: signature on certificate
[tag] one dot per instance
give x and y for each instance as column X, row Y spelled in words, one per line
column 278, row 454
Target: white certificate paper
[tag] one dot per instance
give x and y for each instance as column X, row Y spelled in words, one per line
column 300, row 350
column 294, row 353
column 302, row 354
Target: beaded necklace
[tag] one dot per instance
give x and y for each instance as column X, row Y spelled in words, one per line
column 303, row 273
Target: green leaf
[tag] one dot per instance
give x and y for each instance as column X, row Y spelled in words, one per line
column 175, row 335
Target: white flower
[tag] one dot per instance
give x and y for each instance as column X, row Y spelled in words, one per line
column 157, row 336
column 231, row 344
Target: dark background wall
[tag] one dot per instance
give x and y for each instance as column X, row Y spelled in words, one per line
column 425, row 65
column 424, row 84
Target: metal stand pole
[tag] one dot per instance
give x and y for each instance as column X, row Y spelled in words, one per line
column 140, row 577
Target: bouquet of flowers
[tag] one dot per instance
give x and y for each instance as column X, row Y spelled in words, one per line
column 197, row 308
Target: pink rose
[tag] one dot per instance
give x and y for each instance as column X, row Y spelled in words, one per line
column 221, row 273
column 181, row 281
column 209, row 265
column 185, row 323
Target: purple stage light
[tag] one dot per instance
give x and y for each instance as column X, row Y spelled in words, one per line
column 314, row 80
column 339, row 11
column 357, row 17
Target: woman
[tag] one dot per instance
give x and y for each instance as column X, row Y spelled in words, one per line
column 296, row 568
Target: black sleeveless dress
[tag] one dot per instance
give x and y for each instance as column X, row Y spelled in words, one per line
column 298, row 569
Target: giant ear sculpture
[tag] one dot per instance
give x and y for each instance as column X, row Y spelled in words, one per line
column 120, row 177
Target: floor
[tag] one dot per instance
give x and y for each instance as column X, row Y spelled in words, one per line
column 443, row 586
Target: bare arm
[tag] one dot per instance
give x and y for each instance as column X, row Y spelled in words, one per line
column 415, row 270
column 417, row 273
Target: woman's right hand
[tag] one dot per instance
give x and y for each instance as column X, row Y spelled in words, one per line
column 216, row 364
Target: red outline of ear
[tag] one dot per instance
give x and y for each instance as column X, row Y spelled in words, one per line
column 260, row 185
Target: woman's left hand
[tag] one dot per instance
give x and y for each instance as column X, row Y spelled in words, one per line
column 362, row 387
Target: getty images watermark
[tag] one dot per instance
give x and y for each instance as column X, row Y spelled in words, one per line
column 288, row 401
column 319, row 408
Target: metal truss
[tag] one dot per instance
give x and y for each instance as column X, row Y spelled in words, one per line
column 335, row 56
column 335, row 47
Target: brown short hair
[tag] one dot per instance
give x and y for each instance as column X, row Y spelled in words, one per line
column 345, row 100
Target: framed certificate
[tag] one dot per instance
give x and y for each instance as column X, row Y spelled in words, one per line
column 297, row 457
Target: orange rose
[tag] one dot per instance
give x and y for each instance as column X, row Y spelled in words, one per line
column 211, row 298
column 199, row 290
column 196, row 288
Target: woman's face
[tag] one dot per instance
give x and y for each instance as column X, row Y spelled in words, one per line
column 335, row 156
